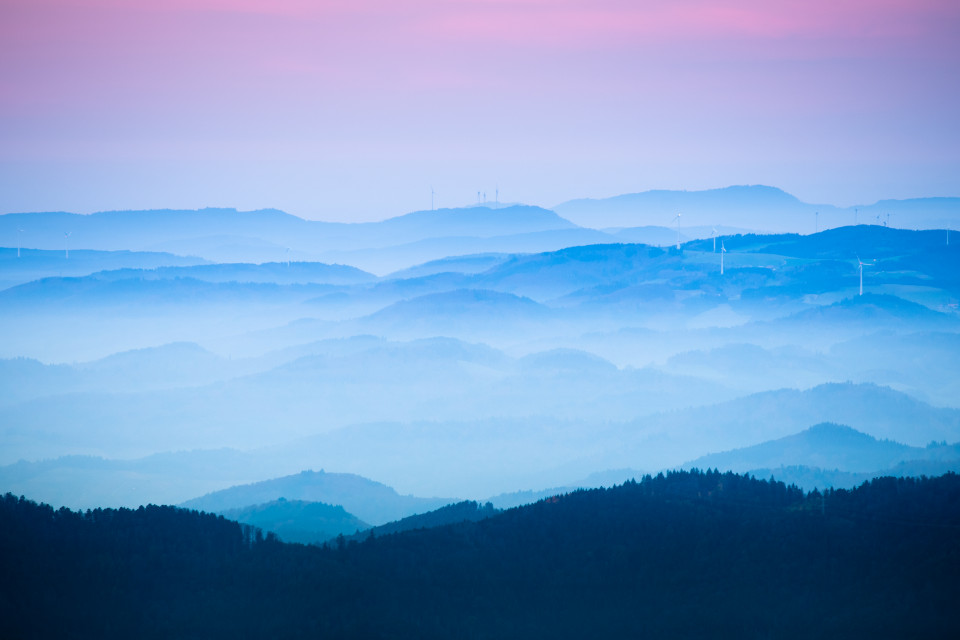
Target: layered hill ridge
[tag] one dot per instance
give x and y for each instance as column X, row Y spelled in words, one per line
column 486, row 374
column 268, row 235
column 827, row 446
column 298, row 520
column 370, row 501
column 228, row 235
column 35, row 264
column 756, row 207
column 627, row 209
column 869, row 408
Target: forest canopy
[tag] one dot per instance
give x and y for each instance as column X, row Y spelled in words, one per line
column 678, row 555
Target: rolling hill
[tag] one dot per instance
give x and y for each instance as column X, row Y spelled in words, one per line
column 826, row 445
column 228, row 235
column 370, row 501
column 756, row 207
column 36, row 264
column 298, row 520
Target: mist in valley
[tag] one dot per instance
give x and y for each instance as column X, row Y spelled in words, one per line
column 135, row 377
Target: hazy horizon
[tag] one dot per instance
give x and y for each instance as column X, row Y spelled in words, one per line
column 490, row 202
column 354, row 111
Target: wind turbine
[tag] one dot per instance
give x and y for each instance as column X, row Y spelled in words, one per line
column 714, row 239
column 19, row 231
column 496, row 195
column 678, row 231
column 862, row 265
column 856, row 214
column 288, row 257
column 66, row 243
column 723, row 250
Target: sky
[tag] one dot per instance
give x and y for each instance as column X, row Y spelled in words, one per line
column 353, row 110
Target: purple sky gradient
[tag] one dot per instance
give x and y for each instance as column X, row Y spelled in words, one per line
column 353, row 110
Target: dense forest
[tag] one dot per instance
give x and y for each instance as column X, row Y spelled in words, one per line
column 687, row 554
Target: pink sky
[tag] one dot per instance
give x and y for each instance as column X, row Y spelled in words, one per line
column 353, row 110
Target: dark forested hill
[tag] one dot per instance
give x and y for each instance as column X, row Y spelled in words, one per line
column 689, row 554
column 466, row 511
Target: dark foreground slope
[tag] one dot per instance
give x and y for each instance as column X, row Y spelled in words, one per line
column 685, row 555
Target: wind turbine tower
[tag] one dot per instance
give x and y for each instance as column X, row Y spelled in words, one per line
column 862, row 265
column 19, row 231
column 678, row 231
column 714, row 239
column 723, row 250
column 66, row 243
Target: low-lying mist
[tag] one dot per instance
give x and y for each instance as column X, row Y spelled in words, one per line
column 474, row 376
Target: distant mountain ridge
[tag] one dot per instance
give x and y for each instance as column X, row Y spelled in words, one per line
column 827, row 446
column 268, row 235
column 881, row 412
column 831, row 456
column 757, row 207
column 34, row 264
column 893, row 311
column 478, row 221
column 267, row 272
